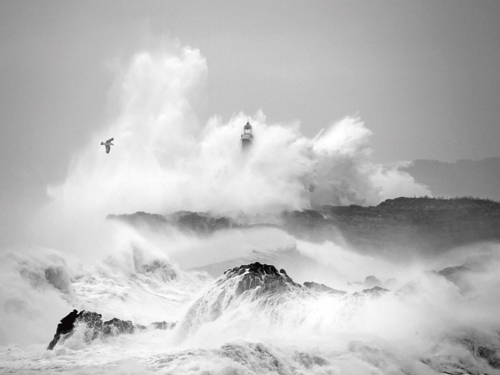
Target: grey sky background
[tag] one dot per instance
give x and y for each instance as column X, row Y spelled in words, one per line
column 423, row 75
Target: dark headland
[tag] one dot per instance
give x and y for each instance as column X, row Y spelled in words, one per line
column 431, row 225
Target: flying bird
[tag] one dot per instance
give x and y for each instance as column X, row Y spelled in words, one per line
column 108, row 145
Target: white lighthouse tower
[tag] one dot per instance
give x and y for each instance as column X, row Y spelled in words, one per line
column 246, row 137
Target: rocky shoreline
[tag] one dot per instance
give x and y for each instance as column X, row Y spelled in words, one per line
column 432, row 225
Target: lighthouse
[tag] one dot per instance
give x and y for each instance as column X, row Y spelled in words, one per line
column 246, row 137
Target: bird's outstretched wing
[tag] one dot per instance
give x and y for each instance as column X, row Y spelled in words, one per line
column 109, row 140
column 108, row 149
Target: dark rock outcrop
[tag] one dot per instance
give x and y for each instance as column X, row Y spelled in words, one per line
column 95, row 327
column 262, row 276
column 93, row 322
column 64, row 327
column 117, row 326
column 260, row 284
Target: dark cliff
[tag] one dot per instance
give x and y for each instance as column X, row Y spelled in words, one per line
column 429, row 224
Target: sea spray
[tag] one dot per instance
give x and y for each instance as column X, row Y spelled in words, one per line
column 165, row 160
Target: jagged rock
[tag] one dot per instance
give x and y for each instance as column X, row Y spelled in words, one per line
column 264, row 276
column 96, row 327
column 93, row 321
column 323, row 288
column 64, row 327
column 117, row 326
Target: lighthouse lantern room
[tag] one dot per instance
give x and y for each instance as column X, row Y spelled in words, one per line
column 246, row 137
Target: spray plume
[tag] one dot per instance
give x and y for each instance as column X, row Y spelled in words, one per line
column 165, row 161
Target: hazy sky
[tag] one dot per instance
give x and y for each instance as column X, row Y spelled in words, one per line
column 423, row 75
